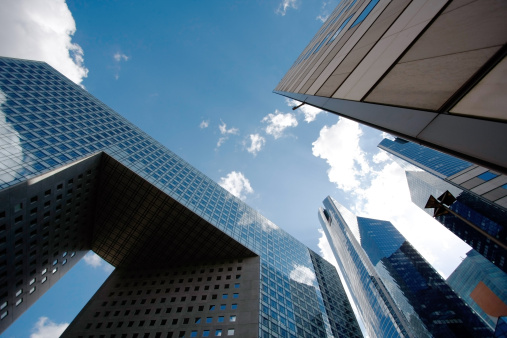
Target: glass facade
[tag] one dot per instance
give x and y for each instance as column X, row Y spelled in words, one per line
column 47, row 122
column 484, row 214
column 427, row 303
column 433, row 161
column 466, row 278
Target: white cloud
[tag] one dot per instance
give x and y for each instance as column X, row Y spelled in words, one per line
column 94, row 260
column 204, row 124
column 10, row 146
column 278, row 122
column 284, row 5
column 310, row 112
column 326, row 9
column 302, row 274
column 237, row 184
column 120, row 57
column 45, row 328
column 339, row 146
column 256, row 143
column 379, row 190
column 42, row 30
column 225, row 131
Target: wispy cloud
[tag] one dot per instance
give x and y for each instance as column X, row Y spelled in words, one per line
column 42, row 30
column 326, row 9
column 286, row 4
column 204, row 124
column 256, row 143
column 45, row 328
column 309, row 112
column 237, row 184
column 94, row 260
column 120, row 57
column 278, row 122
column 225, row 132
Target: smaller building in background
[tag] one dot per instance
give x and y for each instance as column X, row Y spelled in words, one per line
column 482, row 285
column 422, row 302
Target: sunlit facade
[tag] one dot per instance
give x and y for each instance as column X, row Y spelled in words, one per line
column 394, row 272
column 190, row 258
column 429, row 71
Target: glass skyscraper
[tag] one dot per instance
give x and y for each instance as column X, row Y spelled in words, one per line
column 482, row 285
column 190, row 258
column 370, row 249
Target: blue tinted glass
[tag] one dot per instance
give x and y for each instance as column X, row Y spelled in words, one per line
column 365, row 13
column 487, row 176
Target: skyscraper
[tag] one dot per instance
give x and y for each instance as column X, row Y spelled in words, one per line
column 478, row 215
column 421, row 299
column 429, row 71
column 482, row 285
column 191, row 259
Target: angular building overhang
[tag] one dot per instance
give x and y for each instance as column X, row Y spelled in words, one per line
column 476, row 140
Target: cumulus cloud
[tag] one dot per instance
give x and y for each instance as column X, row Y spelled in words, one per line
column 339, row 146
column 284, row 5
column 45, row 328
column 204, row 124
column 120, row 57
column 278, row 122
column 94, row 260
column 302, row 274
column 379, row 190
column 309, row 112
column 237, row 184
column 42, row 30
column 256, row 143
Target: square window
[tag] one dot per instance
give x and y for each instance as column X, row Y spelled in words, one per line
column 223, row 307
column 212, row 307
column 209, row 319
column 236, row 286
column 220, row 319
column 197, row 320
column 205, row 333
column 224, row 296
column 193, row 333
column 230, row 332
column 235, row 295
column 234, row 306
column 232, row 318
column 218, row 332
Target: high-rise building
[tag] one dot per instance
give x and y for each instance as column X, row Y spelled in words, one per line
column 481, row 285
column 488, row 184
column 190, row 258
column 429, row 71
column 477, row 211
column 379, row 264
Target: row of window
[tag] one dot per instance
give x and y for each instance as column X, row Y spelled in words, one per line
column 170, row 334
column 163, row 322
column 200, row 308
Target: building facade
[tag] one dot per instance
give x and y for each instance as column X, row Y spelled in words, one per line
column 416, row 69
column 425, row 304
column 482, row 285
column 190, row 258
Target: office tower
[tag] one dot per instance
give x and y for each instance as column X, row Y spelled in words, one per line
column 488, row 184
column 429, row 71
column 375, row 259
column 190, row 258
column 482, row 286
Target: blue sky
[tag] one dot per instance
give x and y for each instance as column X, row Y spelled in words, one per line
column 198, row 76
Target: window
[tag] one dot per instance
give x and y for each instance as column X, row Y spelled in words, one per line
column 234, row 306
column 236, row 286
column 235, row 295
column 223, row 307
column 487, row 176
column 230, row 332
column 218, row 332
column 205, row 333
column 209, row 319
column 224, row 296
column 232, row 318
column 193, row 333
column 197, row 320
column 220, row 319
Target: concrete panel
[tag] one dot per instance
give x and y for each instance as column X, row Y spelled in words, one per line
column 480, row 139
column 502, row 201
column 428, row 83
column 329, row 87
column 472, row 183
column 488, row 98
column 350, row 43
column 468, row 175
column 478, row 25
column 495, row 194
column 490, row 185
